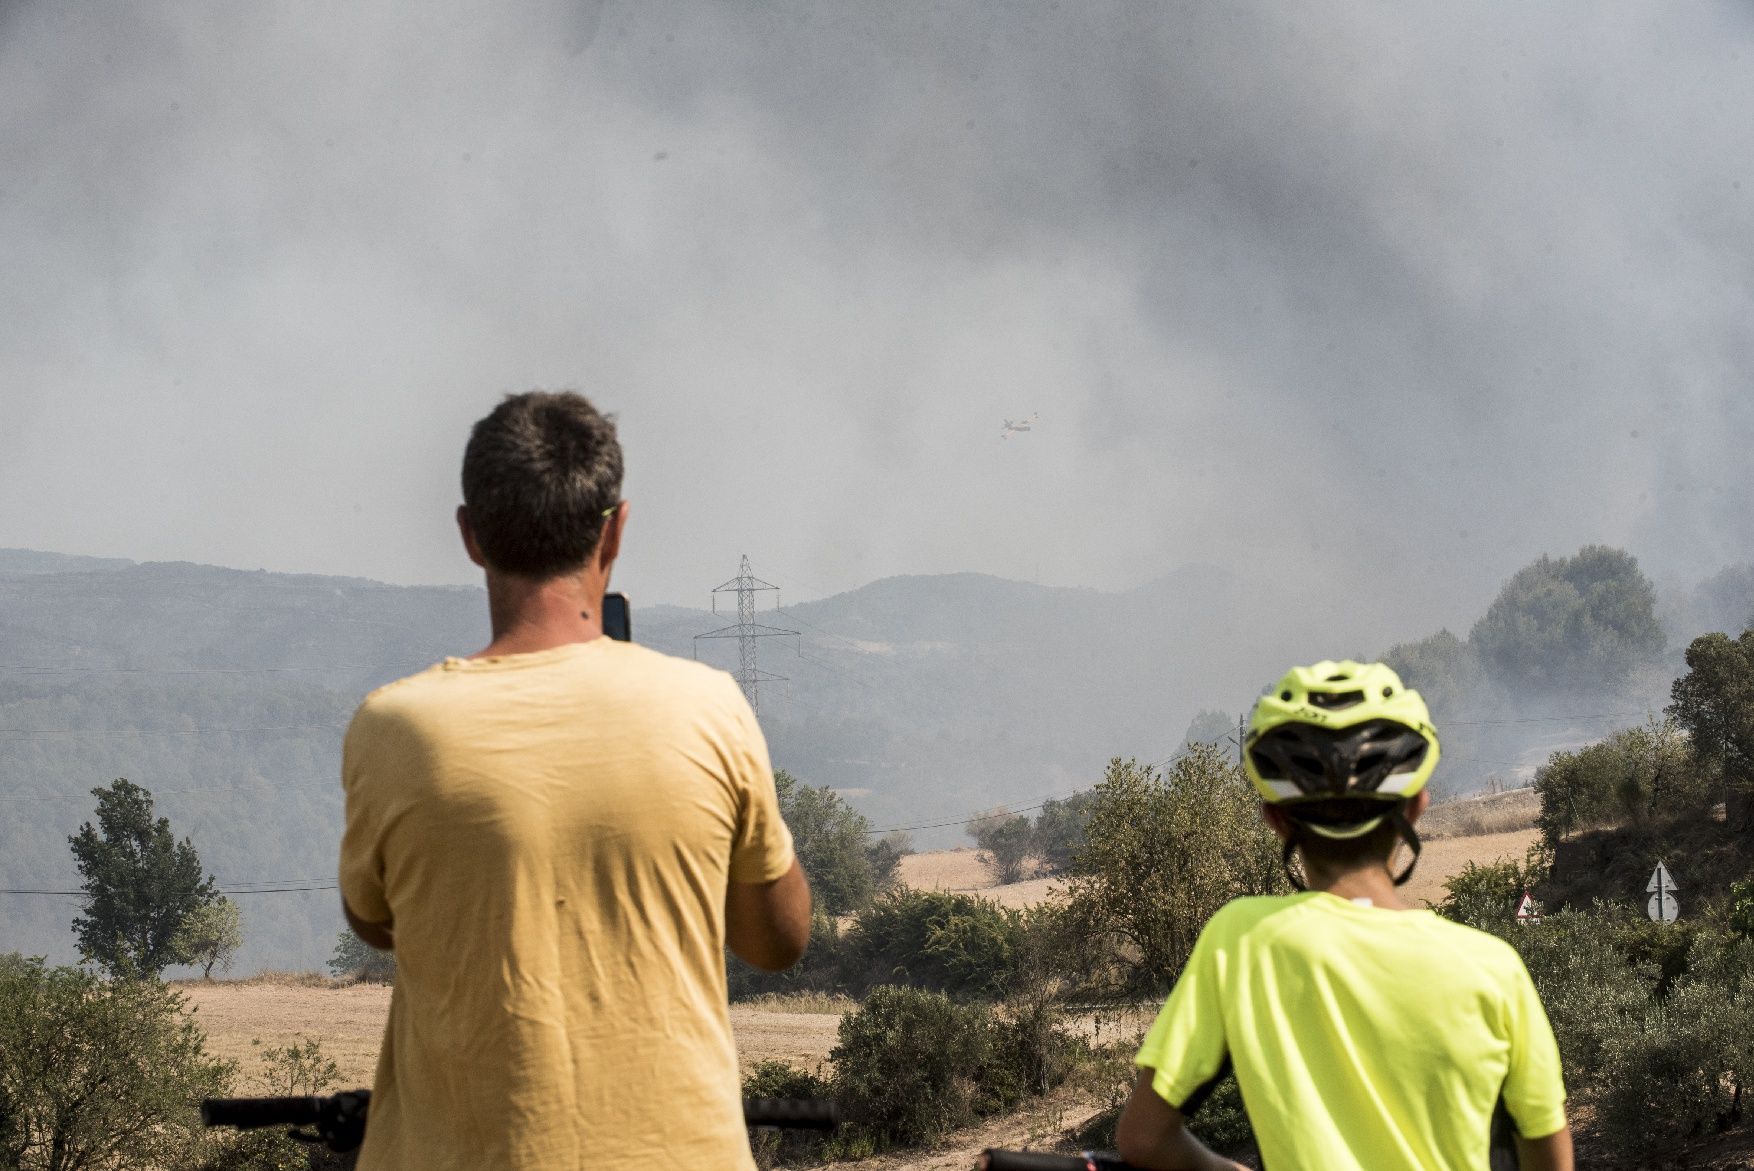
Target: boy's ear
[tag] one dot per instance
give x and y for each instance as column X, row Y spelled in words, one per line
column 1276, row 821
column 1418, row 805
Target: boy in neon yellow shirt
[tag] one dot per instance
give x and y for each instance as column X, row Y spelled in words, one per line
column 1364, row 1033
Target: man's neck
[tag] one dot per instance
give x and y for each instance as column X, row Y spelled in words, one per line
column 532, row 616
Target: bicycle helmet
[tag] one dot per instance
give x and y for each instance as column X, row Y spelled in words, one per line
column 1340, row 747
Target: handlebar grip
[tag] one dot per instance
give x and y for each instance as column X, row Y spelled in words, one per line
column 792, row 1113
column 996, row 1160
column 253, row 1113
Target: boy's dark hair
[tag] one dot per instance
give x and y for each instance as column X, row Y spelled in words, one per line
column 538, row 474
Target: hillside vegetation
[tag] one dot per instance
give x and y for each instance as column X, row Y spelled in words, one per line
column 225, row 692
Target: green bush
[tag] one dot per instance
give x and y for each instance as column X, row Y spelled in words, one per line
column 913, row 1065
column 1741, row 909
column 1675, row 1073
column 98, row 1074
column 778, row 1148
column 1590, row 988
column 907, row 1068
column 939, row 940
column 1631, row 777
column 1162, row 852
column 1486, row 896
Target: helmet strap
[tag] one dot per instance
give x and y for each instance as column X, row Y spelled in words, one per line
column 1398, row 819
column 1293, row 875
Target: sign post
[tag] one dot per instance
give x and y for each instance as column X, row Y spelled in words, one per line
column 1662, row 907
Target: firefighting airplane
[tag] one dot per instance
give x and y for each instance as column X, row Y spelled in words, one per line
column 1010, row 428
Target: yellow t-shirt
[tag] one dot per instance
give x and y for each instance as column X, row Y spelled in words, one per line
column 552, row 834
column 1362, row 1038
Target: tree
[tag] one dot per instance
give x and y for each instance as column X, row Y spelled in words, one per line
column 211, row 934
column 1714, row 701
column 1443, row 669
column 1006, row 839
column 886, row 854
column 99, row 1075
column 1209, row 727
column 140, row 884
column 1631, row 776
column 1578, row 622
column 1162, row 852
column 833, row 844
column 357, row 960
column 1059, row 830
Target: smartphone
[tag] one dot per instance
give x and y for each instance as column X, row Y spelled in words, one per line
column 617, row 619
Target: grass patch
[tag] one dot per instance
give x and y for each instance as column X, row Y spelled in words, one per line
column 1472, row 817
column 820, row 1003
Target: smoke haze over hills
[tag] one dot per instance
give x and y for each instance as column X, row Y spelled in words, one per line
column 1377, row 298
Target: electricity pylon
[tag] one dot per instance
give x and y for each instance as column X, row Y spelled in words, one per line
column 746, row 585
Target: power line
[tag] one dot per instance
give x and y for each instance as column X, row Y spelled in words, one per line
column 46, row 733
column 269, row 890
column 1545, row 719
column 276, row 787
column 46, row 670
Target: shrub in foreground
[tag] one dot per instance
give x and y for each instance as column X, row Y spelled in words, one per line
column 97, row 1073
column 913, row 1065
column 938, row 940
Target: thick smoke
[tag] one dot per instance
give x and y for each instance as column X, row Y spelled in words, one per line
column 1384, row 300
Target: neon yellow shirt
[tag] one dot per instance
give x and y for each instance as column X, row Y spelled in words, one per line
column 553, row 833
column 1361, row 1037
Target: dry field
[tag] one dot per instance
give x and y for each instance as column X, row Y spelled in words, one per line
column 1493, row 813
column 242, row 1017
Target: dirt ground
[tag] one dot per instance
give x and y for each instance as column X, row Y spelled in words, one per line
column 243, row 1017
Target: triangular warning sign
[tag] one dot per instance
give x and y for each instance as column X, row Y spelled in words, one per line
column 1660, row 880
column 1526, row 908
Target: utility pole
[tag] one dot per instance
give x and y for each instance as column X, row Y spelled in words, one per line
column 746, row 585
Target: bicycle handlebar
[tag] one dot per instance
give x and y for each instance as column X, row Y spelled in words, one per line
column 253, row 1113
column 993, row 1159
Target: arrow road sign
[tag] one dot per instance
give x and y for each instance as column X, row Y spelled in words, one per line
column 1660, row 880
column 1662, row 907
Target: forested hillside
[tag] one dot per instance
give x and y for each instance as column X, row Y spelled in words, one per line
column 922, row 699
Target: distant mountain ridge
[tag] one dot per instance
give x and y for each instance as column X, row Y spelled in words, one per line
column 225, row 692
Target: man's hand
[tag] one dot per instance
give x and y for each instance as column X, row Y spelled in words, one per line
column 378, row 935
column 1153, row 1134
column 767, row 924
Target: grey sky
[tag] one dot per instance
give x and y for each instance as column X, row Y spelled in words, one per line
column 1393, row 298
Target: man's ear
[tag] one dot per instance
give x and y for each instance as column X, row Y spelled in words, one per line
column 468, row 533
column 1276, row 821
column 609, row 544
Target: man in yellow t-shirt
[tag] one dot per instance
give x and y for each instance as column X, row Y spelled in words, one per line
column 1365, row 1035
column 559, row 836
